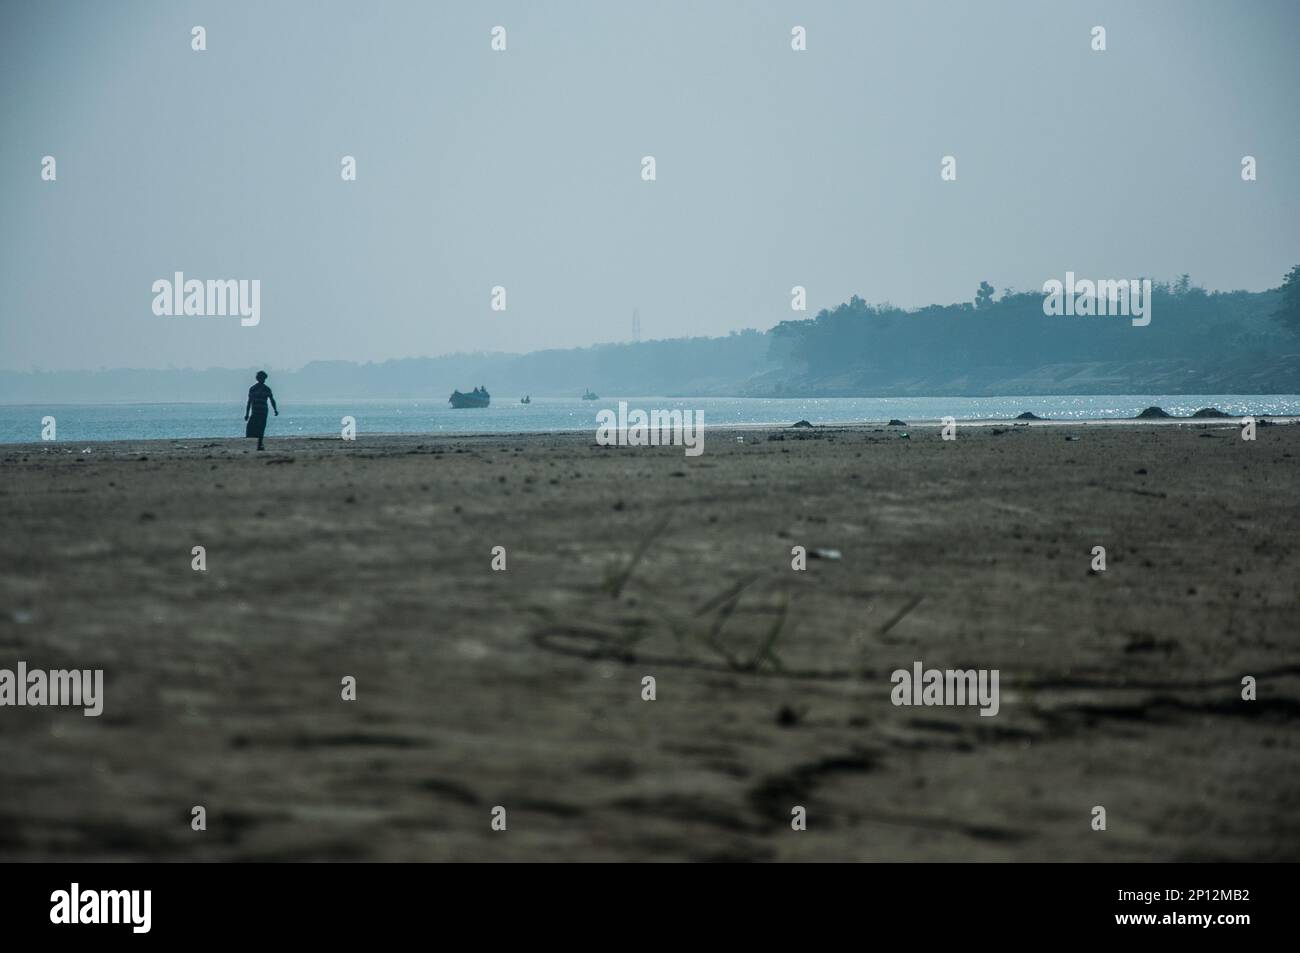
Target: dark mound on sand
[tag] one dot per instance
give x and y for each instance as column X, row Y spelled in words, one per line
column 1151, row 413
column 1029, row 415
column 1210, row 412
column 801, row 423
column 895, row 422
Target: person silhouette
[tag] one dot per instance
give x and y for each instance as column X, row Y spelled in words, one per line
column 255, row 410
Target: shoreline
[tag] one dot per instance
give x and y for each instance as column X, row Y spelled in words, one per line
column 272, row 438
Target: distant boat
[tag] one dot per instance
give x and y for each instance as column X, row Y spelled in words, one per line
column 526, row 400
column 478, row 397
column 590, row 395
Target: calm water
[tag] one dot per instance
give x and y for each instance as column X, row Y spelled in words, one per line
column 21, row 423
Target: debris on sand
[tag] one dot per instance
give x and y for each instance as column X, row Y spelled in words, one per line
column 1210, row 412
column 788, row 717
column 1029, row 415
column 895, row 422
column 1151, row 413
column 801, row 423
column 832, row 554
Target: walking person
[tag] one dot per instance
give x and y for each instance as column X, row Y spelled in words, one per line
column 255, row 411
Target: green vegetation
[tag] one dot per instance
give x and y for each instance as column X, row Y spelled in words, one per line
column 1226, row 341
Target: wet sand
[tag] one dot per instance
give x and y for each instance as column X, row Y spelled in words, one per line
column 522, row 688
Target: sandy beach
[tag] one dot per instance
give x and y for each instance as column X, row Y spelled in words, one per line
column 522, row 688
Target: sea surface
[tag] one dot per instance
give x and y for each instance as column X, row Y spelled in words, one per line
column 86, row 423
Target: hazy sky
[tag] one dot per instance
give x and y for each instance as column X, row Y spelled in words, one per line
column 477, row 168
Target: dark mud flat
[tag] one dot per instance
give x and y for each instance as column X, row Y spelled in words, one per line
column 523, row 688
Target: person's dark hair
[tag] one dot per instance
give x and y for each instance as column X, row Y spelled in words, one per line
column 261, row 376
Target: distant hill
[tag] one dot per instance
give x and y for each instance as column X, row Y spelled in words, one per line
column 695, row 366
column 1225, row 342
column 1197, row 342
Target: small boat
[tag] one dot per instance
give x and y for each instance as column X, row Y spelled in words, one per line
column 478, row 397
column 526, row 400
column 590, row 395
